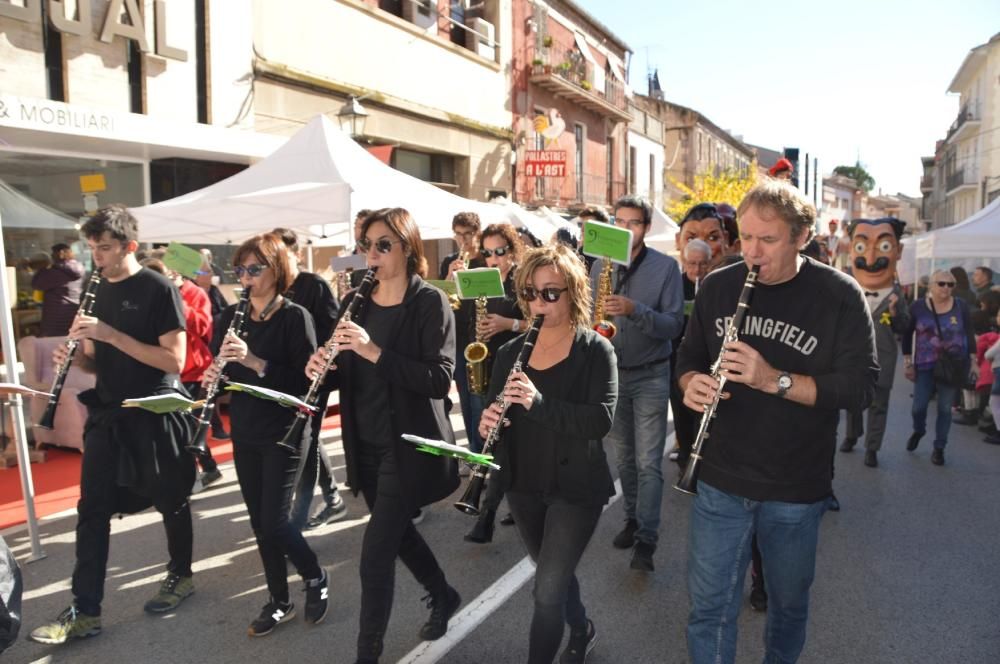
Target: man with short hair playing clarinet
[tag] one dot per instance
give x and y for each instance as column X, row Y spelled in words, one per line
column 132, row 458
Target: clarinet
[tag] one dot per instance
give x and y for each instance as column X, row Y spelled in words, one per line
column 198, row 445
column 689, row 480
column 469, row 503
column 86, row 309
column 293, row 438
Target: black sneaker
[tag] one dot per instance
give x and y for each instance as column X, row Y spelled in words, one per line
column 273, row 614
column 626, row 538
column 210, row 476
column 642, row 556
column 914, row 440
column 443, row 606
column 579, row 646
column 317, row 601
column 848, row 444
column 507, row 520
column 937, row 456
column 334, row 511
column 871, row 458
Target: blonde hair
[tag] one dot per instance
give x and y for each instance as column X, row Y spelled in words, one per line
column 566, row 263
column 780, row 198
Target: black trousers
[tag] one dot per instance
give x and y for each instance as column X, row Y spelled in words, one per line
column 266, row 475
column 100, row 498
column 317, row 470
column 555, row 533
column 390, row 534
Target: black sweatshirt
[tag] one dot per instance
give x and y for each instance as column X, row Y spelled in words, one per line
column 764, row 447
column 286, row 341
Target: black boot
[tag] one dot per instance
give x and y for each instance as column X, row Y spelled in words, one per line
column 482, row 530
column 443, row 603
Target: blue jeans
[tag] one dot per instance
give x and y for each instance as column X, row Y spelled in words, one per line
column 722, row 526
column 639, row 434
column 472, row 404
column 923, row 388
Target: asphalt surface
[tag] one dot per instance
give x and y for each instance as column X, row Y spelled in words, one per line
column 907, row 573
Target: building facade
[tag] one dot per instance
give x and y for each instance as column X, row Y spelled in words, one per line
column 971, row 154
column 644, row 173
column 570, row 112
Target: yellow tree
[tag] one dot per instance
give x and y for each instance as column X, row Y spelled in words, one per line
column 728, row 186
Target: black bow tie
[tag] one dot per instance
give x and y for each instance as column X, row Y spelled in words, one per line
column 869, row 293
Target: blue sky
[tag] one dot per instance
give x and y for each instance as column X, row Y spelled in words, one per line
column 836, row 79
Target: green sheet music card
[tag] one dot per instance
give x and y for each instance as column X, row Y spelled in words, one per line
column 480, row 282
column 183, row 260
column 447, row 285
column 607, row 241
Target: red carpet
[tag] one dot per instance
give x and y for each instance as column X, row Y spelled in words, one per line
column 57, row 481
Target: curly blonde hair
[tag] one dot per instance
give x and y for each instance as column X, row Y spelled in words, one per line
column 568, row 264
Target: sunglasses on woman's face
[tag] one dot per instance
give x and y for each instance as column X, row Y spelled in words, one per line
column 383, row 246
column 498, row 252
column 945, row 284
column 550, row 294
column 254, row 270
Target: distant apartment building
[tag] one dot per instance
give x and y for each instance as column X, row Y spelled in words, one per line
column 570, row 111
column 644, row 168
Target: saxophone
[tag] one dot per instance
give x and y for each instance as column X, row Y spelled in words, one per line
column 602, row 324
column 477, row 355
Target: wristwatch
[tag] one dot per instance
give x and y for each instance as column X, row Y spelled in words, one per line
column 515, row 326
column 784, row 383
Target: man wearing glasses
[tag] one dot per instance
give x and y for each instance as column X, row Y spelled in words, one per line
column 466, row 227
column 647, row 307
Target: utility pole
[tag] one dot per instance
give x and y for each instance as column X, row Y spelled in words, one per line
column 815, row 181
column 806, row 179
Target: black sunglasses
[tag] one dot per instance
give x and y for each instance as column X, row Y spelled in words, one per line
column 550, row 294
column 945, row 284
column 499, row 251
column 254, row 270
column 383, row 246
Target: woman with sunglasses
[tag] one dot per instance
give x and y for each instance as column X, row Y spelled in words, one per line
column 556, row 474
column 279, row 338
column 939, row 323
column 501, row 248
column 394, row 368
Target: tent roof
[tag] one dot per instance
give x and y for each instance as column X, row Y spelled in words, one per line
column 976, row 237
column 315, row 184
column 21, row 211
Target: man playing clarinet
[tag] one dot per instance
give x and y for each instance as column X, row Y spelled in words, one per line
column 805, row 350
column 132, row 458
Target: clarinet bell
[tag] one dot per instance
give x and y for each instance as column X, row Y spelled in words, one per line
column 199, row 444
column 49, row 416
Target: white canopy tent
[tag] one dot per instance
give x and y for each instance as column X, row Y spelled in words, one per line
column 315, row 184
column 970, row 243
column 662, row 232
column 20, row 211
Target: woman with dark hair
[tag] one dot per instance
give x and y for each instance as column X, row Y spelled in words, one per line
column 394, row 368
column 500, row 248
column 557, row 477
column 963, row 289
column 279, row 338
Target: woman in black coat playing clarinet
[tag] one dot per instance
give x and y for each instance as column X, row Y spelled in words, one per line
column 394, row 364
column 279, row 340
column 556, row 473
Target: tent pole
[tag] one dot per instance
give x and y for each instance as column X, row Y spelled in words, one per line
column 309, row 258
column 17, row 419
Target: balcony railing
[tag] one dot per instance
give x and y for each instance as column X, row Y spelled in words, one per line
column 565, row 71
column 969, row 113
column 571, row 191
column 962, row 178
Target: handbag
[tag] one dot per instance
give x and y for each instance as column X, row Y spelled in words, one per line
column 949, row 368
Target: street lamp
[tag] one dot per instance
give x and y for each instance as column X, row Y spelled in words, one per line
column 352, row 117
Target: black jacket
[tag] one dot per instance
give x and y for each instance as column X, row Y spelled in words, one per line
column 418, row 367
column 577, row 419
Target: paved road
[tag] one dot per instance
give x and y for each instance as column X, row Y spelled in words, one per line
column 907, row 573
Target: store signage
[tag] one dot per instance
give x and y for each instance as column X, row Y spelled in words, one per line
column 114, row 22
column 53, row 115
column 545, row 163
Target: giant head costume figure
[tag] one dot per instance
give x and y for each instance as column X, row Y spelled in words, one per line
column 875, row 250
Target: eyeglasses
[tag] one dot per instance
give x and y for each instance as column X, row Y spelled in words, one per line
column 550, row 294
column 498, row 252
column 945, row 284
column 465, row 236
column 631, row 223
column 383, row 246
column 254, row 270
